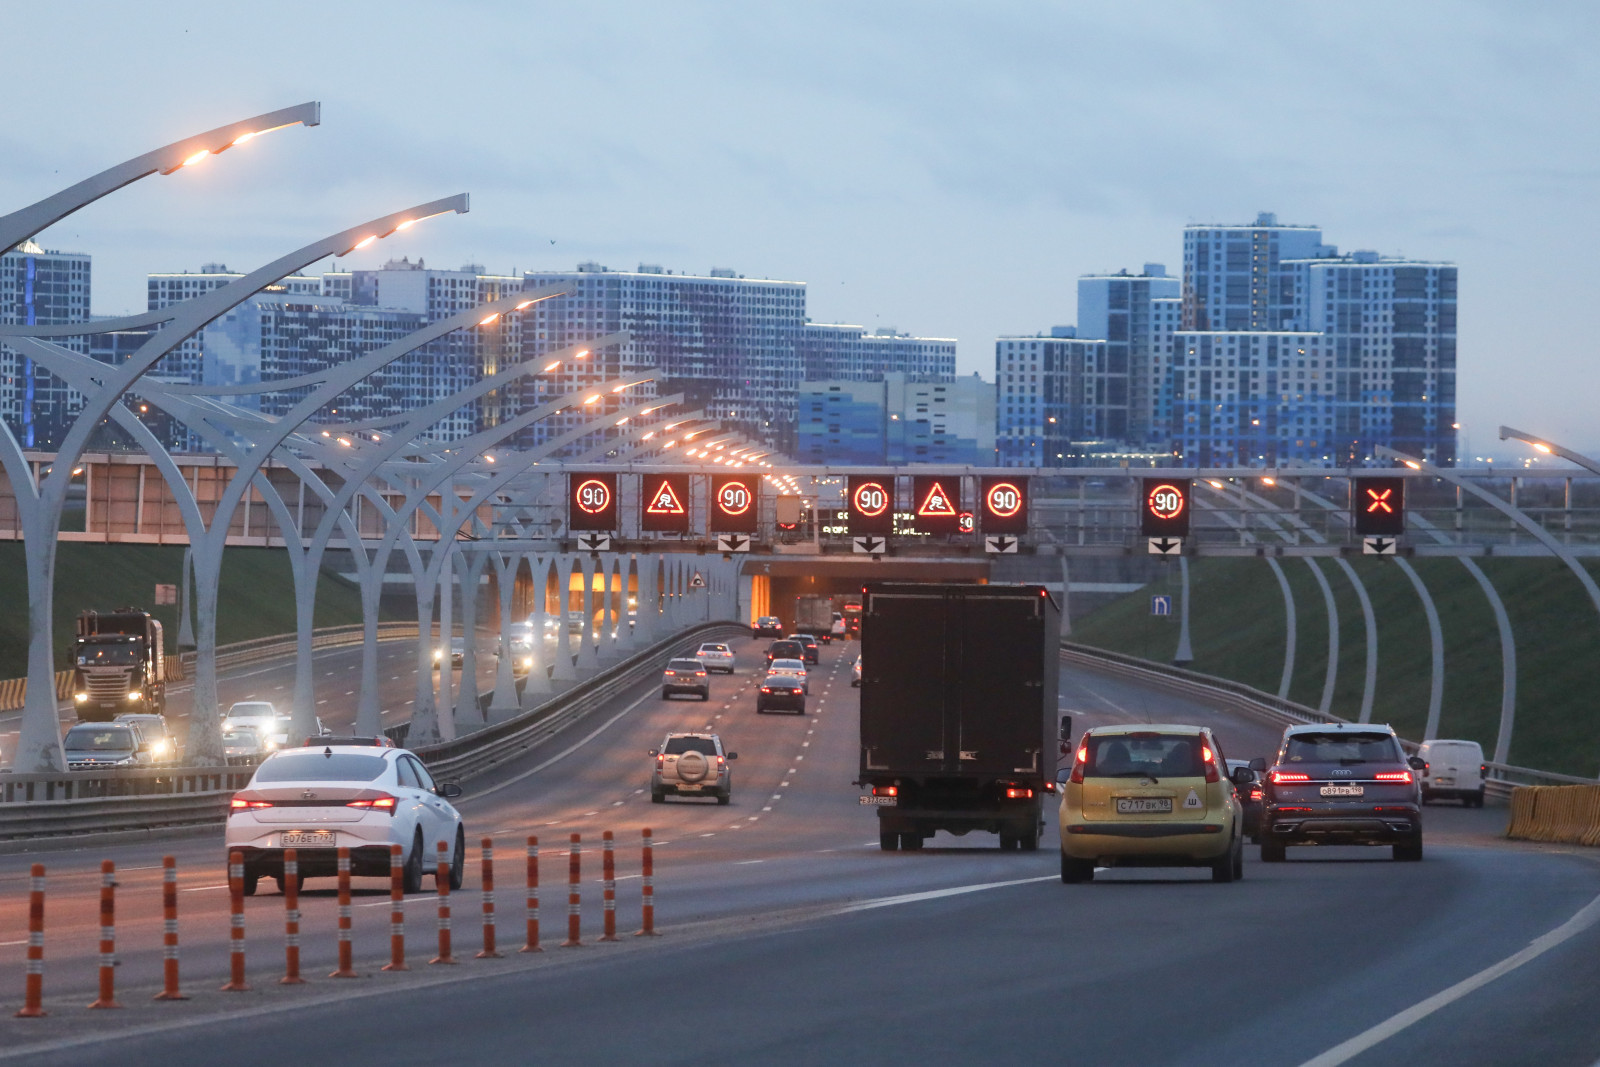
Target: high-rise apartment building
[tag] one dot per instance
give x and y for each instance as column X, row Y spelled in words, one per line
column 1241, row 277
column 40, row 287
column 840, row 353
column 1052, row 391
column 897, row 420
column 1119, row 309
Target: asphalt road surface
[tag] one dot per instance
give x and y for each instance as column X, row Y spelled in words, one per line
column 789, row 937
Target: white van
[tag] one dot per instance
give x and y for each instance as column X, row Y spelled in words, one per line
column 1452, row 769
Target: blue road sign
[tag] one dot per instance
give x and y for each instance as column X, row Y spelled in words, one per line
column 1161, row 605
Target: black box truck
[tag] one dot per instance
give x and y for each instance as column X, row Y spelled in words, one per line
column 958, row 709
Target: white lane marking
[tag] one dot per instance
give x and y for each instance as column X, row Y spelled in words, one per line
column 767, row 808
column 586, row 814
column 638, row 792
column 1586, row 917
column 708, row 835
column 737, row 863
column 616, row 803
column 791, row 771
column 203, row 888
column 753, row 818
column 783, row 785
column 598, row 730
column 805, row 744
column 8, row 944
column 324, row 700
column 777, row 796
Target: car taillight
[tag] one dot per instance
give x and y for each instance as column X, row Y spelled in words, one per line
column 661, row 761
column 672, row 674
column 720, row 761
column 1209, row 758
column 885, row 791
column 1289, row 777
column 382, row 803
column 1394, row 776
column 1255, row 792
column 699, row 674
column 242, row 804
column 766, row 689
column 1018, row 793
column 1080, row 762
column 1483, row 769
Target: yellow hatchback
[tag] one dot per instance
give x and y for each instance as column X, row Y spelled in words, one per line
column 1151, row 796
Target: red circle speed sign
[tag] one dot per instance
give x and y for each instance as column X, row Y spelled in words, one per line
column 592, row 496
column 871, row 499
column 1004, row 500
column 734, row 498
column 1165, row 501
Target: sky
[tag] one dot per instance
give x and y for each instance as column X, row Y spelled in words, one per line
column 946, row 169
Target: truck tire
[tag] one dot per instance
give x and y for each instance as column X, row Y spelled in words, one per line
column 1029, row 842
column 1076, row 871
column 1008, row 843
column 911, row 841
column 888, row 840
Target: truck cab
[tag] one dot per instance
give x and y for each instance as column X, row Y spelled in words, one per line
column 118, row 665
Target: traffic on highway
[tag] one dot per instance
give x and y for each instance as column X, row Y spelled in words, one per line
column 768, row 868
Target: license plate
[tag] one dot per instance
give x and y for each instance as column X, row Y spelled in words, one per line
column 1444, row 781
column 1144, row 805
column 301, row 838
column 880, row 802
column 1343, row 790
column 683, row 787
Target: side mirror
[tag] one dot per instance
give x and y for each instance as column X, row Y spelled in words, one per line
column 1417, row 763
column 1066, row 728
column 449, row 790
column 733, row 755
column 1243, row 776
column 1258, row 764
column 655, row 752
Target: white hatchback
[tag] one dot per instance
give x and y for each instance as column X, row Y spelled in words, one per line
column 317, row 800
column 716, row 657
column 791, row 667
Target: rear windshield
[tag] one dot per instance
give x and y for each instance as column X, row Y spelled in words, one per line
column 713, row 648
column 99, row 739
column 785, row 648
column 788, row 666
column 1144, row 756
column 677, row 746
column 313, row 766
column 684, row 665
column 1341, row 748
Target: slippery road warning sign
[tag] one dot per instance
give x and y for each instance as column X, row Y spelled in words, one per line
column 665, row 504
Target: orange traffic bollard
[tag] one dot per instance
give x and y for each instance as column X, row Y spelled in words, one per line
column 169, row 930
column 33, row 981
column 574, row 863
column 648, row 891
column 108, row 937
column 488, row 952
column 291, row 919
column 532, row 944
column 441, row 882
column 397, row 912
column 609, row 882
column 346, row 969
column 236, row 982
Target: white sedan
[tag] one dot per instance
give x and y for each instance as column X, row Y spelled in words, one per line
column 791, row 667
column 716, row 656
column 319, row 799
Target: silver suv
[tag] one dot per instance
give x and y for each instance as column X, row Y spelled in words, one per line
column 692, row 765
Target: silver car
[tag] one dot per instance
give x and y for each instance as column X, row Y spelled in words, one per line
column 692, row 765
column 716, row 656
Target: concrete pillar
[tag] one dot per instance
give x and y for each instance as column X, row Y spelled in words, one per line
column 564, row 669
column 504, row 702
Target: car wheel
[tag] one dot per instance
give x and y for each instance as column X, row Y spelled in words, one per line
column 1076, row 871
column 1272, row 851
column 657, row 797
column 411, row 873
column 282, row 880
column 458, row 863
column 665, row 695
column 1477, row 800
column 1222, row 869
column 888, row 840
column 705, row 696
column 724, row 798
column 1238, row 861
column 251, row 878
column 1410, row 852
column 1427, row 796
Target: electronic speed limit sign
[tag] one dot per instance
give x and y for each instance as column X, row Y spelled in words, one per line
column 870, row 500
column 735, row 503
column 592, row 501
column 1003, row 505
column 1164, row 508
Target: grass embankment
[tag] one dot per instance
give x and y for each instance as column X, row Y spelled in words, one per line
column 256, row 594
column 1237, row 631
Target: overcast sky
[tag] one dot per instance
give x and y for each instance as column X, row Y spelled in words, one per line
column 947, row 169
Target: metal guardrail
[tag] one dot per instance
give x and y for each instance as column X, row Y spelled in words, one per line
column 35, row 807
column 1500, row 782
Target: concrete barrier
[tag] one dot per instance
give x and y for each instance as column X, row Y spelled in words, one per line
column 1558, row 814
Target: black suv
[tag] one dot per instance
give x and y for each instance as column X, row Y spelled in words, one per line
column 1341, row 784
column 788, row 648
column 808, row 642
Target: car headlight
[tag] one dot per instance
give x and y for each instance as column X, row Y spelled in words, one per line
column 437, row 655
column 161, row 747
column 80, row 697
column 135, row 695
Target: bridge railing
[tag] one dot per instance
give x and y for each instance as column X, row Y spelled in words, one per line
column 1500, row 781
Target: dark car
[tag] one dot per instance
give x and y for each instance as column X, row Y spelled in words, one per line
column 810, row 643
column 1341, row 784
column 767, row 626
column 685, row 675
column 782, row 692
column 788, row 648
column 1249, row 798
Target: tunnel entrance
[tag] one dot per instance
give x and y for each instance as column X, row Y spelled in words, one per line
column 776, row 582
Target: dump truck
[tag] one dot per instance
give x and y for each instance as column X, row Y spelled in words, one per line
column 958, row 710
column 118, row 664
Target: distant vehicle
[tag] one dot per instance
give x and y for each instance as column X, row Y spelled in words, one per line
column 1142, row 795
column 576, row 623
column 1341, row 784
column 814, row 615
column 458, row 652
column 260, row 715
column 1453, row 770
column 364, row 798
column 329, row 740
column 716, row 656
column 958, row 727
column 792, row 668
column 855, row 674
column 244, row 744
column 782, row 692
column 154, row 735
column 785, row 649
column 692, row 765
column 685, row 675
column 808, row 644
column 92, row 746
column 119, row 664
column 767, row 626
column 1249, row 796
column 838, row 631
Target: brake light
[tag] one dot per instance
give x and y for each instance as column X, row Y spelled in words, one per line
column 885, row 791
column 661, row 761
column 1212, row 774
column 699, row 674
column 1394, row 776
column 241, row 804
column 766, row 689
column 672, row 674
column 1015, row 793
column 1289, row 777
column 385, row 802
column 1483, row 769
column 1080, row 762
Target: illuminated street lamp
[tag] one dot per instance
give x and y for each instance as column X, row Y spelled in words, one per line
column 1550, row 448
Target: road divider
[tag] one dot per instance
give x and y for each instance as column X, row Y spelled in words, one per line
column 532, row 943
column 108, row 937
column 1558, row 814
column 486, row 850
column 397, row 911
column 441, row 883
column 169, row 930
column 346, row 949
column 33, row 977
column 574, row 893
column 291, row 919
column 236, row 982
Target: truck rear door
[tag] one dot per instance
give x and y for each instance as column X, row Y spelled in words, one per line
column 903, row 698
column 994, row 679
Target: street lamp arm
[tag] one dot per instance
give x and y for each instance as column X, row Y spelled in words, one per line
column 1546, row 445
column 24, row 223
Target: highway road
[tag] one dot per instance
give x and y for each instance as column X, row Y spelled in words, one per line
column 789, row 937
